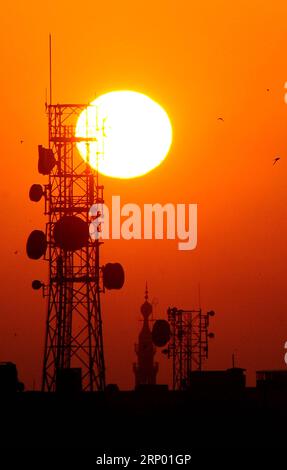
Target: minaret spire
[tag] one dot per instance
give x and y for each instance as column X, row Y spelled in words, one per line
column 146, row 291
column 145, row 369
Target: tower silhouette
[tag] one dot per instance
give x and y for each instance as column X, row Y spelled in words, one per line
column 73, row 198
column 74, row 325
column 145, row 369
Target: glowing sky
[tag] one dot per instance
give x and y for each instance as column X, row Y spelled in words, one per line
column 200, row 62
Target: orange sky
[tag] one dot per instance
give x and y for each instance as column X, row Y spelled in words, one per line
column 200, row 62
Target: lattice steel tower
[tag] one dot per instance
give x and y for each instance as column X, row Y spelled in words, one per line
column 73, row 353
column 188, row 346
column 74, row 325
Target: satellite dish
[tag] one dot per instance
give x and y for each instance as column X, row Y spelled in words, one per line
column 46, row 161
column 36, row 244
column 36, row 285
column 71, row 233
column 211, row 313
column 113, row 276
column 160, row 333
column 36, row 192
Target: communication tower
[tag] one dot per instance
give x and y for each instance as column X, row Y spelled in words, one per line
column 73, row 351
column 189, row 343
column 185, row 335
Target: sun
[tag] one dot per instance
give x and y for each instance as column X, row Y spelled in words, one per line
column 130, row 134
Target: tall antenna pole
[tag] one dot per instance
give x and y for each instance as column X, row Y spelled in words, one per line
column 50, row 66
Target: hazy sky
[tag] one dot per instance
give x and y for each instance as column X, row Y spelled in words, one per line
column 200, row 61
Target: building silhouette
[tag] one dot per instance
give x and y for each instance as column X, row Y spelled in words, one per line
column 145, row 369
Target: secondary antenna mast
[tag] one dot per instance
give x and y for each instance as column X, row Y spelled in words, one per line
column 188, row 346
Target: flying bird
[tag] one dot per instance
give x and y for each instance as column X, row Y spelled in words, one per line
column 220, row 119
column 21, row 141
column 16, row 252
column 276, row 160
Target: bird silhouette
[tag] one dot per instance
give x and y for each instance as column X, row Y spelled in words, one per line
column 21, row 141
column 220, row 119
column 276, row 160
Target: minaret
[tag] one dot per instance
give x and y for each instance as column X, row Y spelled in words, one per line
column 145, row 369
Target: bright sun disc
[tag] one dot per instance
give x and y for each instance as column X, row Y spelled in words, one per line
column 132, row 134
